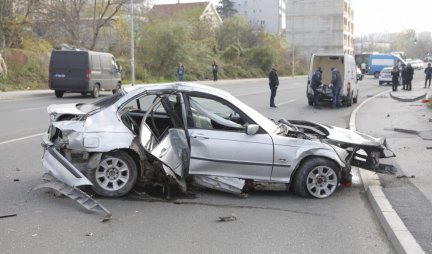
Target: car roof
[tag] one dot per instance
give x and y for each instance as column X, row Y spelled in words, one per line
column 178, row 86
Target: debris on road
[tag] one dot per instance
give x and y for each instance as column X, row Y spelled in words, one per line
column 76, row 194
column 429, row 147
column 405, row 176
column 231, row 217
column 106, row 218
column 88, row 234
column 406, row 131
column 16, row 180
column 8, row 215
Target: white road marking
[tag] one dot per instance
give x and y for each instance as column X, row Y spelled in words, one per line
column 29, row 109
column 286, row 102
column 19, row 139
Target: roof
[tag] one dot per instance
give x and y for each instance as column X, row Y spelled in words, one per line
column 165, row 10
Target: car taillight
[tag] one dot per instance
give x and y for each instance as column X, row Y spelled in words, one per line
column 348, row 87
column 88, row 73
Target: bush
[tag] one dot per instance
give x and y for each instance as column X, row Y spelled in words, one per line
column 26, row 70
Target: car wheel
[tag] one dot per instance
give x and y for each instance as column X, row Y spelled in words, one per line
column 95, row 92
column 310, row 101
column 376, row 74
column 316, row 177
column 355, row 99
column 117, row 88
column 380, row 83
column 115, row 175
column 58, row 93
column 349, row 101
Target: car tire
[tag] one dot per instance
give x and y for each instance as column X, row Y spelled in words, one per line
column 380, row 83
column 117, row 88
column 355, row 99
column 376, row 74
column 349, row 101
column 310, row 101
column 58, row 94
column 115, row 175
column 317, row 178
column 95, row 92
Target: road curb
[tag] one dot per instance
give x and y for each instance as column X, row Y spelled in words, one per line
column 407, row 99
column 396, row 231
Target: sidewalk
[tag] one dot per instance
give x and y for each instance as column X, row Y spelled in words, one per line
column 24, row 94
column 406, row 122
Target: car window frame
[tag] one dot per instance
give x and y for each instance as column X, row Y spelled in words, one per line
column 222, row 101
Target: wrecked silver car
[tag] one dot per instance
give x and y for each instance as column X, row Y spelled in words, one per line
column 181, row 134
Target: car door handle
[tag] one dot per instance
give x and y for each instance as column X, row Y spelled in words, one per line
column 163, row 152
column 199, row 136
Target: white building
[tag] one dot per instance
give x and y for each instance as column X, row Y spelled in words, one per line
column 267, row 14
column 320, row 26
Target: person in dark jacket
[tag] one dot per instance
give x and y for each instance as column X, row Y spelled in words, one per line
column 395, row 78
column 428, row 72
column 409, row 76
column 403, row 76
column 337, row 86
column 215, row 69
column 315, row 83
column 181, row 72
column 273, row 83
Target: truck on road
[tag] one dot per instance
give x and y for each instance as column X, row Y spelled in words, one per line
column 377, row 62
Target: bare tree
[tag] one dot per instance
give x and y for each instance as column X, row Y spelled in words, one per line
column 14, row 16
column 63, row 18
column 103, row 13
column 74, row 18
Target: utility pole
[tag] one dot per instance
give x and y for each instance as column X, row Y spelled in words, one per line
column 132, row 44
column 292, row 40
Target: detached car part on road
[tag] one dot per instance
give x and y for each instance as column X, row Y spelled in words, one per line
column 181, row 134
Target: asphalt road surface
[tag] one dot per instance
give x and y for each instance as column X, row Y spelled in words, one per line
column 267, row 222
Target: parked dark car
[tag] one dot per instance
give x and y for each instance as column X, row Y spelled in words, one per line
column 82, row 71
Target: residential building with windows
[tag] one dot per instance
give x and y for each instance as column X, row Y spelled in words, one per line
column 269, row 15
column 320, row 26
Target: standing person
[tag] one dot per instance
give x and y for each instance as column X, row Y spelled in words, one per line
column 403, row 75
column 363, row 68
column 409, row 76
column 337, row 86
column 3, row 67
column 395, row 78
column 428, row 72
column 273, row 83
column 180, row 72
column 316, row 82
column 215, row 69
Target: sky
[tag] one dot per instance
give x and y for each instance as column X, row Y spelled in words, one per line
column 380, row 16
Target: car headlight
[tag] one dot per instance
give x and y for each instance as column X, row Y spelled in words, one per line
column 53, row 117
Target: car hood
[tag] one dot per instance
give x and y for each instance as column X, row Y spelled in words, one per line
column 339, row 135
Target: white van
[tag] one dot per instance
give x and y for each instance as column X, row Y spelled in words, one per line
column 347, row 67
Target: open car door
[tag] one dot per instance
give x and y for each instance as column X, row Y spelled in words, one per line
column 170, row 148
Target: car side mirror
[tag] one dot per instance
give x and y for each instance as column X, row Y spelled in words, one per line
column 252, row 129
